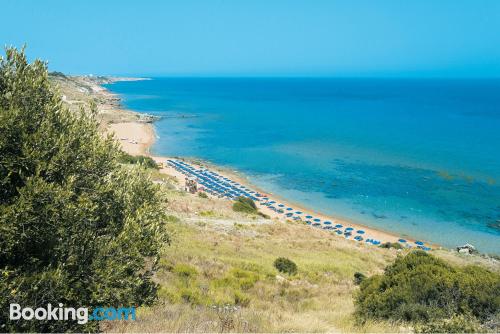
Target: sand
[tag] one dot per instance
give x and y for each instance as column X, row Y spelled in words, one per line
column 135, row 138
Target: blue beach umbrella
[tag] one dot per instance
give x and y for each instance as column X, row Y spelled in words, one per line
column 289, row 209
column 360, row 232
column 402, row 240
column 317, row 220
column 420, row 243
column 298, row 212
column 349, row 229
column 327, row 223
column 309, row 217
column 338, row 226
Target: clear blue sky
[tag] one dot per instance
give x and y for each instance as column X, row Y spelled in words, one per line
column 439, row 38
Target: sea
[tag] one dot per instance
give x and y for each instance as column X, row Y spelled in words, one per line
column 416, row 157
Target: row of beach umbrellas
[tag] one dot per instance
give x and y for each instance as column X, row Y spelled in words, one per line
column 221, row 186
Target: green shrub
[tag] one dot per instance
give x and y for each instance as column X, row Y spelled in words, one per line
column 202, row 194
column 244, row 204
column 75, row 227
column 421, row 288
column 147, row 162
column 395, row 245
column 359, row 278
column 285, row 265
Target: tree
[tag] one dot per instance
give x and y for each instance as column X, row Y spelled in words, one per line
column 75, row 227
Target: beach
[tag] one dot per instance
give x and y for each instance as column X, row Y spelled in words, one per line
column 136, row 137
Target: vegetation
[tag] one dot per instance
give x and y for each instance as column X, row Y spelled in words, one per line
column 285, row 265
column 245, row 204
column 422, row 289
column 233, row 284
column 145, row 161
column 75, row 227
column 202, row 194
column 395, row 245
column 359, row 278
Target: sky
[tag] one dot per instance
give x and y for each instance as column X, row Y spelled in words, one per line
column 372, row 38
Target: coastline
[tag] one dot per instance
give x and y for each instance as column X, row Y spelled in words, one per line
column 137, row 135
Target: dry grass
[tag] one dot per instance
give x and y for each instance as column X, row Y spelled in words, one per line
column 219, row 257
column 218, row 275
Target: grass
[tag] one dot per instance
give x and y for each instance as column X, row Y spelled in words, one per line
column 218, row 274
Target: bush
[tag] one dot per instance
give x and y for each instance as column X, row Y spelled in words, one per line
column 420, row 288
column 244, row 204
column 147, row 162
column 395, row 245
column 75, row 227
column 359, row 278
column 202, row 194
column 285, row 265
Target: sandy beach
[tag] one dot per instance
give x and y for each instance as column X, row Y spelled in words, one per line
column 137, row 136
column 134, row 137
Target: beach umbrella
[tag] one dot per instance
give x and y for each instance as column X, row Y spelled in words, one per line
column 289, row 209
column 298, row 212
column 327, row 223
column 338, row 226
column 309, row 217
column 360, row 232
column 402, row 240
column 420, row 243
column 349, row 229
column 281, row 205
column 317, row 220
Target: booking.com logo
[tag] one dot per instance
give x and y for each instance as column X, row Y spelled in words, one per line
column 81, row 314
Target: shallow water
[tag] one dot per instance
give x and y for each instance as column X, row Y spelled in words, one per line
column 419, row 157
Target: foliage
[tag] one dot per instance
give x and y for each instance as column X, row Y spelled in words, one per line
column 421, row 288
column 456, row 324
column 75, row 227
column 359, row 278
column 245, row 204
column 185, row 271
column 147, row 162
column 202, row 194
column 395, row 245
column 263, row 215
column 285, row 265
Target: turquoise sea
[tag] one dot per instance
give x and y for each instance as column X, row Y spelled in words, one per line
column 417, row 157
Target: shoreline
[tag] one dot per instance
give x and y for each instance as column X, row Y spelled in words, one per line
column 136, row 137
